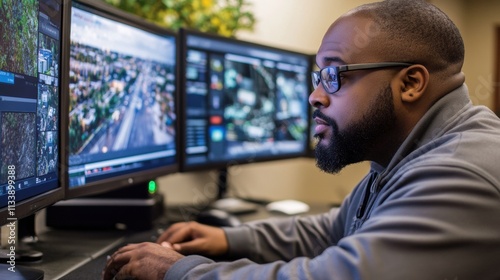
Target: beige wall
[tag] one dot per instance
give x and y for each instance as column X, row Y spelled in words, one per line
column 481, row 19
column 299, row 25
column 477, row 20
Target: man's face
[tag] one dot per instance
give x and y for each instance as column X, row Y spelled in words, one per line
column 338, row 148
column 352, row 122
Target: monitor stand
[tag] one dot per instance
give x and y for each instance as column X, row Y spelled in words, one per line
column 230, row 204
column 131, row 208
column 25, row 235
column 16, row 252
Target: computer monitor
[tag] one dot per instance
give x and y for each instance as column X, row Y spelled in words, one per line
column 242, row 102
column 312, row 139
column 122, row 100
column 31, row 109
column 30, row 106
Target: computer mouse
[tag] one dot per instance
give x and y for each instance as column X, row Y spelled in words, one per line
column 219, row 218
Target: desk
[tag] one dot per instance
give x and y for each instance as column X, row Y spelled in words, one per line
column 74, row 255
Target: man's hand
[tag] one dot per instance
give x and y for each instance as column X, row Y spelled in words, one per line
column 147, row 260
column 194, row 238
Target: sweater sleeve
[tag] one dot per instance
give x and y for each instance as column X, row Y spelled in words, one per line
column 273, row 244
column 282, row 238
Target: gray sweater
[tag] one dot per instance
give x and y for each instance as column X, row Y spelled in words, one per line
column 432, row 213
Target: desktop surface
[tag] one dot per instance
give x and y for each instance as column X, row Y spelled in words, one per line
column 20, row 273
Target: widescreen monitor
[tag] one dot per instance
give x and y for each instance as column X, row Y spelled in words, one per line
column 122, row 100
column 31, row 63
column 242, row 102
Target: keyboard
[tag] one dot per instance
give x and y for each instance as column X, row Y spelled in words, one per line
column 93, row 268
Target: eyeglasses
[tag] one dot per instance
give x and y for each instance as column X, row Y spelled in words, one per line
column 328, row 76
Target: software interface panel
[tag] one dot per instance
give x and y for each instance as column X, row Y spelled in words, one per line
column 243, row 102
column 29, row 97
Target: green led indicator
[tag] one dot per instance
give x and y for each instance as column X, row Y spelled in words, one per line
column 152, row 187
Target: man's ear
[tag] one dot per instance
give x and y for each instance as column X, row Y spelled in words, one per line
column 412, row 82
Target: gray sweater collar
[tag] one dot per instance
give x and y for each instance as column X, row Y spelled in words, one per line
column 437, row 121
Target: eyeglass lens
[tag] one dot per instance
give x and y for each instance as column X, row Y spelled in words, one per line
column 328, row 77
column 330, row 80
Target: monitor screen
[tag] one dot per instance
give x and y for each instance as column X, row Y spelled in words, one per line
column 122, row 100
column 30, row 103
column 242, row 102
column 312, row 125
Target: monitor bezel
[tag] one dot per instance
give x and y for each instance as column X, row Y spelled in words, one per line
column 32, row 205
column 224, row 165
column 137, row 177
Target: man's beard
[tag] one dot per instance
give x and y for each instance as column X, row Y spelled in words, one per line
column 353, row 144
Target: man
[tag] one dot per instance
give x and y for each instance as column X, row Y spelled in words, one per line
column 391, row 91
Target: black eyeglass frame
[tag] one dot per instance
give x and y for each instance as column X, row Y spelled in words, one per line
column 317, row 77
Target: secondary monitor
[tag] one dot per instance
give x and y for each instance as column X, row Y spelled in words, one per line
column 242, row 102
column 30, row 107
column 122, row 100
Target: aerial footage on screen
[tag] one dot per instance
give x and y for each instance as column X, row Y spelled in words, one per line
column 121, row 87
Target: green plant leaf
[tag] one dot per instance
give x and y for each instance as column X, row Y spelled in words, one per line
column 224, row 17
